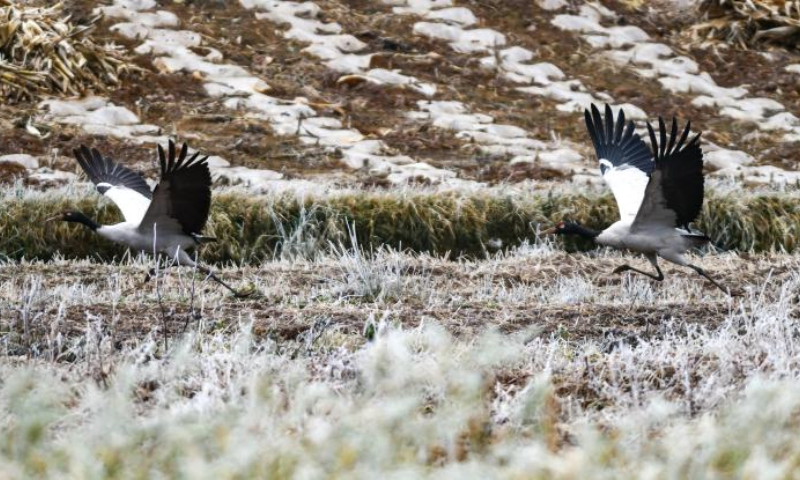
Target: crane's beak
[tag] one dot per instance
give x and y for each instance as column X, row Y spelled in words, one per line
column 53, row 219
column 550, row 231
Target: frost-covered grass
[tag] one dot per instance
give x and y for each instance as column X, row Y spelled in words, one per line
column 472, row 222
column 534, row 363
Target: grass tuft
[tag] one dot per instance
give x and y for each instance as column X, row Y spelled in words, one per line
column 252, row 229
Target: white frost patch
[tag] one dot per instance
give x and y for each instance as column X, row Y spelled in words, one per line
column 563, row 159
column 215, row 161
column 239, row 89
column 458, row 15
column 766, row 174
column 381, row 76
column 98, row 116
column 461, row 40
column 552, row 4
column 722, row 158
column 253, row 178
column 327, row 42
column 629, row 45
column 495, row 139
column 28, row 161
column 513, row 66
column 160, row 18
column 516, row 63
column 48, row 176
column 416, row 171
column 794, row 68
column 417, row 7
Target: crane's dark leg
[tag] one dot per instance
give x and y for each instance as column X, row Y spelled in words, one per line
column 152, row 272
column 184, row 259
column 211, row 275
column 716, row 284
column 652, row 258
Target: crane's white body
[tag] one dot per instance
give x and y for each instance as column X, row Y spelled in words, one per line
column 667, row 242
column 161, row 237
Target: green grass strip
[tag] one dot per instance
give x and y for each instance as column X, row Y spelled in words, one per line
column 252, row 229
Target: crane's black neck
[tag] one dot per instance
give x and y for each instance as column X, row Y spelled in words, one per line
column 80, row 217
column 572, row 228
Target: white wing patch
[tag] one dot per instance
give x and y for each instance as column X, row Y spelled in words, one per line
column 131, row 203
column 628, row 185
column 654, row 211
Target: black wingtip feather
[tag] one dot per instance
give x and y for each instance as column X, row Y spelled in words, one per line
column 619, row 128
column 171, row 156
column 184, row 152
column 653, row 142
column 186, row 185
column 598, row 123
column 162, row 159
column 680, row 170
column 102, row 169
column 673, row 135
column 616, row 141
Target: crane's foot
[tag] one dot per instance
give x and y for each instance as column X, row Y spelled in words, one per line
column 625, row 268
column 150, row 274
column 243, row 293
column 730, row 292
column 236, row 293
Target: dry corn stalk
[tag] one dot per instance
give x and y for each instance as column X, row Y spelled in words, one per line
column 41, row 51
column 749, row 22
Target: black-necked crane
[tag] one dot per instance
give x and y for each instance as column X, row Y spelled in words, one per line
column 167, row 220
column 658, row 193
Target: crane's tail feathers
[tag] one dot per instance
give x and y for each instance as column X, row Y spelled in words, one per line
column 201, row 239
column 697, row 239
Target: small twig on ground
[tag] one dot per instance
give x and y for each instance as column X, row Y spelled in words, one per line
column 312, row 335
column 161, row 307
column 194, row 314
column 158, row 289
column 27, row 306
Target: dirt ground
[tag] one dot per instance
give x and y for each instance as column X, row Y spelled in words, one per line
column 573, row 296
column 177, row 103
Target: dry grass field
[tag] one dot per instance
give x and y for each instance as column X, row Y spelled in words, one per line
column 533, row 363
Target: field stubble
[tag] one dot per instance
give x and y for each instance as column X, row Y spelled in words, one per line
column 533, row 362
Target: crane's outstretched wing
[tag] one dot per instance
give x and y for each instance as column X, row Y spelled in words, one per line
column 183, row 193
column 625, row 161
column 126, row 188
column 674, row 195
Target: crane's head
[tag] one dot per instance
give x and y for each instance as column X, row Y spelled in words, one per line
column 74, row 216
column 571, row 228
column 561, row 228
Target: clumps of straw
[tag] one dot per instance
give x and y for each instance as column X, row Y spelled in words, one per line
column 42, row 51
column 748, row 23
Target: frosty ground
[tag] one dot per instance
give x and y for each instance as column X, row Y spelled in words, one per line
column 534, row 363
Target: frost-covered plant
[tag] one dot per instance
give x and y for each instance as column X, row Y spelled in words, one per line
column 464, row 373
